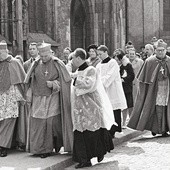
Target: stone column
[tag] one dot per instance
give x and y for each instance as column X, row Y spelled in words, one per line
column 19, row 27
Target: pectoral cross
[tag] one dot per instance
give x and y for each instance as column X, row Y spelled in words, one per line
column 46, row 73
column 162, row 70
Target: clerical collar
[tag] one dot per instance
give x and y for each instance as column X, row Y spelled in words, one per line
column 83, row 66
column 106, row 60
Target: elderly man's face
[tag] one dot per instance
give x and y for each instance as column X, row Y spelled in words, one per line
column 160, row 52
column 148, row 51
column 45, row 56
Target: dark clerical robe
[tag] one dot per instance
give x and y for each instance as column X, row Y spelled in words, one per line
column 152, row 107
column 50, row 124
column 12, row 76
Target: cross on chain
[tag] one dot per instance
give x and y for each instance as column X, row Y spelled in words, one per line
column 162, row 70
column 46, row 73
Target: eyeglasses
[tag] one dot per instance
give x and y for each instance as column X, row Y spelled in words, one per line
column 162, row 50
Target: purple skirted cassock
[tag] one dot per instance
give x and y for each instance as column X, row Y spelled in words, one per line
column 11, row 101
column 50, row 124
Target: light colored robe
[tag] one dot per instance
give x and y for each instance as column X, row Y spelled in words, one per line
column 91, row 108
column 111, row 80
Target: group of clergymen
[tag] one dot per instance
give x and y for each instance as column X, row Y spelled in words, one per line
column 45, row 106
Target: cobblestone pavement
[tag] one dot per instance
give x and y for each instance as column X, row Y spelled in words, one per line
column 142, row 153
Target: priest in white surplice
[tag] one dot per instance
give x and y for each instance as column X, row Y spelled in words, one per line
column 92, row 114
column 110, row 77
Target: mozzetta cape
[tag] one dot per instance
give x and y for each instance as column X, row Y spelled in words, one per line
column 65, row 80
column 143, row 116
column 16, row 73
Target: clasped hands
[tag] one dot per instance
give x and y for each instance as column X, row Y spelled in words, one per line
column 49, row 84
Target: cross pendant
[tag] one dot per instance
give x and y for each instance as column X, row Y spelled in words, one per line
column 162, row 70
column 46, row 73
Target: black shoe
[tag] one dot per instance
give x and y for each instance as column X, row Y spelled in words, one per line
column 153, row 134
column 57, row 150
column 44, row 155
column 82, row 165
column 99, row 159
column 165, row 134
column 3, row 152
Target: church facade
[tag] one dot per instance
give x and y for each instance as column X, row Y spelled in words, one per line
column 79, row 23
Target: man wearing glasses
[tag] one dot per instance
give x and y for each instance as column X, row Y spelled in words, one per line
column 152, row 108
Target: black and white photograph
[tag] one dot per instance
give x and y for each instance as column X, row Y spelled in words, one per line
column 84, row 84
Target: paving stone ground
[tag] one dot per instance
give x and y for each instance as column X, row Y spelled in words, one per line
column 142, row 153
column 17, row 160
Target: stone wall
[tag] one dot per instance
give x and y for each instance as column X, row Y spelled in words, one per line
column 145, row 20
column 62, row 32
column 108, row 22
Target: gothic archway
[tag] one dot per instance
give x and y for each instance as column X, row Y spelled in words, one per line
column 80, row 24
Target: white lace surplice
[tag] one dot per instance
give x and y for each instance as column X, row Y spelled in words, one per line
column 9, row 103
column 88, row 109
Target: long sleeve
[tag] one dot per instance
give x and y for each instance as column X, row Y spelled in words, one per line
column 110, row 73
column 86, row 83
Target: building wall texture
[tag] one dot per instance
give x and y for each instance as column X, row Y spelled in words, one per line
column 109, row 22
column 145, row 20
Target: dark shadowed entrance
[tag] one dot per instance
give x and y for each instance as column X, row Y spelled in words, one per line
column 80, row 24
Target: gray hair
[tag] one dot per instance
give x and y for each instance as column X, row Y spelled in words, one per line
column 150, row 47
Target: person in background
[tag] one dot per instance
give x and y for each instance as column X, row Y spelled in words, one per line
column 23, row 118
column 129, row 45
column 11, row 99
column 127, row 76
column 152, row 107
column 66, row 53
column 33, row 53
column 50, row 105
column 149, row 50
column 154, row 41
column 93, row 59
column 33, row 56
column 136, row 64
column 111, row 80
column 92, row 114
column 142, row 53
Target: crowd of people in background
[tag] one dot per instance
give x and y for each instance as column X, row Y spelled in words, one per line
column 81, row 100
